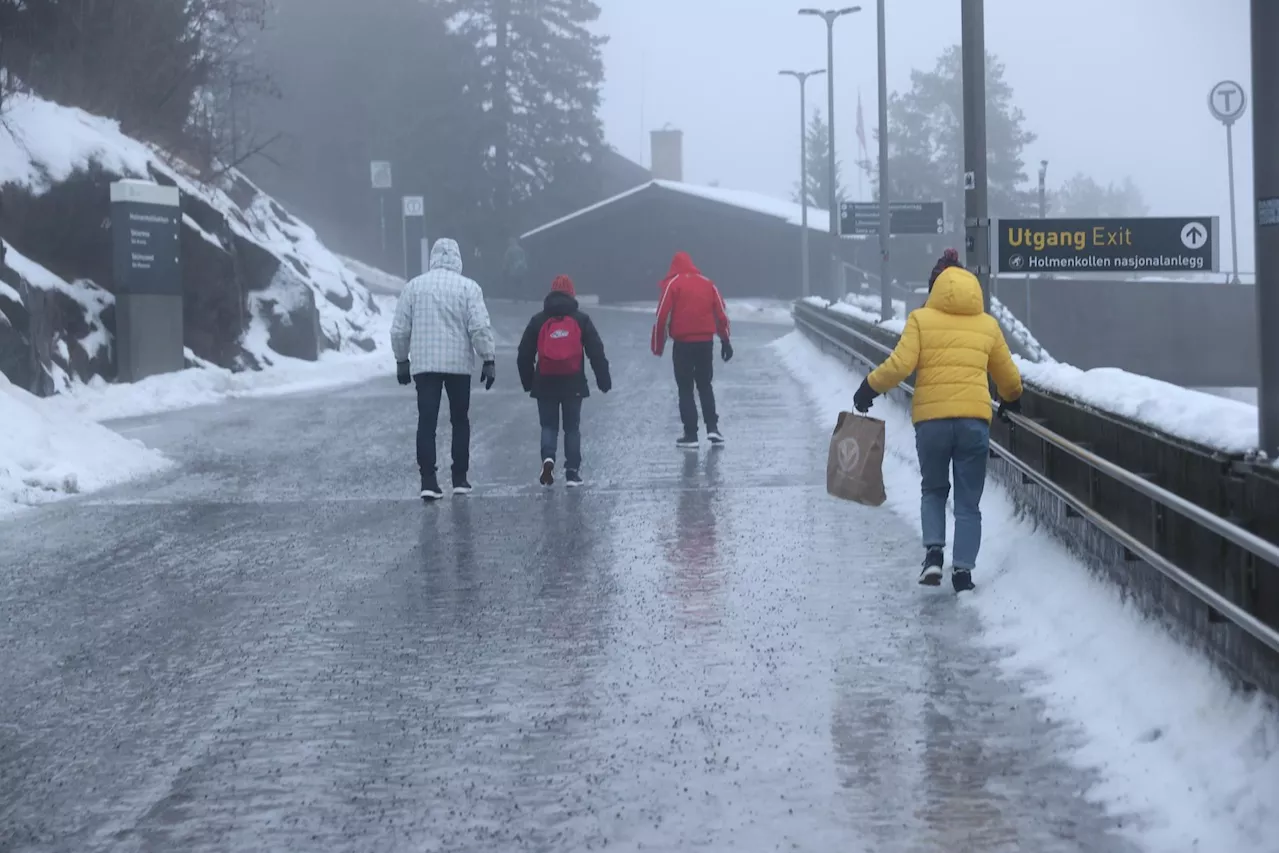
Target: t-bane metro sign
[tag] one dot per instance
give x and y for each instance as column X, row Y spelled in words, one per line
column 1147, row 244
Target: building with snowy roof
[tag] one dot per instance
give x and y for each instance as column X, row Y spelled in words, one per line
column 748, row 243
column 620, row 248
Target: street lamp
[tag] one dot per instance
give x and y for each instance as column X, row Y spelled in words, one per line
column 803, row 77
column 831, row 16
column 1044, row 168
column 977, row 225
column 1262, row 24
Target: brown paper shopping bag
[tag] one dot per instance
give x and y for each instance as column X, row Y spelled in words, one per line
column 856, row 460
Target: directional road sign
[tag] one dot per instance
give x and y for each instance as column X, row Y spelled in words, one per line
column 380, row 174
column 413, row 205
column 1134, row 245
column 905, row 217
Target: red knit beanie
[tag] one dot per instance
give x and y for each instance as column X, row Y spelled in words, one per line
column 563, row 284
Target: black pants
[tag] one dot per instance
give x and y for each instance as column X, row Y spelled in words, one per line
column 693, row 363
column 458, row 387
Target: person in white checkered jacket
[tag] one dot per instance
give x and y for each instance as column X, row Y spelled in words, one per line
column 441, row 325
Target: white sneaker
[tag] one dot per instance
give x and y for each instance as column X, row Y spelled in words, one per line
column 715, row 437
column 548, row 472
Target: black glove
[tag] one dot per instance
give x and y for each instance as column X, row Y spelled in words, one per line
column 726, row 349
column 864, row 397
column 402, row 373
column 1006, row 407
column 605, row 384
column 488, row 373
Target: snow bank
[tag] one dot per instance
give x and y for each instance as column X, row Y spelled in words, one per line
column 1204, row 419
column 1169, row 738
column 207, row 383
column 47, row 454
column 375, row 279
column 1194, row 416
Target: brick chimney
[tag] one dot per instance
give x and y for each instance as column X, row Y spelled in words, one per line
column 666, row 154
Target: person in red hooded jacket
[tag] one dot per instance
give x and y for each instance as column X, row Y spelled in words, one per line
column 691, row 312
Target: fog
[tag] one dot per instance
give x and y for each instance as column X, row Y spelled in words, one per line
column 1113, row 88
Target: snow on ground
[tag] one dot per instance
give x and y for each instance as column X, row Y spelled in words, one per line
column 1213, row 420
column 47, row 455
column 1240, row 395
column 1208, row 420
column 1172, row 742
column 208, row 383
column 375, row 279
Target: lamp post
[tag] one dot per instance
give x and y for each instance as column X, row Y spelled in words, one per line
column 803, row 77
column 882, row 82
column 1263, row 23
column 977, row 225
column 830, row 16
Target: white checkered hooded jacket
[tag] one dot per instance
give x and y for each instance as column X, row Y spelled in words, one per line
column 441, row 321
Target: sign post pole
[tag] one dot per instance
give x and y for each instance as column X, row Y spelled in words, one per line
column 1263, row 26
column 146, row 243
column 412, row 221
column 380, row 180
column 1227, row 103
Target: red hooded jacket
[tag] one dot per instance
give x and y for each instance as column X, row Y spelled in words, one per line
column 690, row 308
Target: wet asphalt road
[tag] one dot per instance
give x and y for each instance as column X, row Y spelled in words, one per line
column 277, row 647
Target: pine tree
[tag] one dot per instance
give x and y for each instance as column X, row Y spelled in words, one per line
column 926, row 142
column 540, row 84
column 1082, row 196
column 816, row 152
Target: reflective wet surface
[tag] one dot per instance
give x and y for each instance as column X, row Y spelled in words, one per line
column 278, row 647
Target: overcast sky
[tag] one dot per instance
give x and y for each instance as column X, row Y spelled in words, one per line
column 1112, row 87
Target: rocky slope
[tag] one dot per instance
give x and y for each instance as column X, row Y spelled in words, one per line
column 258, row 284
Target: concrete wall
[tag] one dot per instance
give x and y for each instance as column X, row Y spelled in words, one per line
column 1189, row 333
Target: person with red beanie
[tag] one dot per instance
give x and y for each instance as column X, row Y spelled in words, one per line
column 691, row 311
column 551, row 359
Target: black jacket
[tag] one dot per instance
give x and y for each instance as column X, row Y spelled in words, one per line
column 559, row 304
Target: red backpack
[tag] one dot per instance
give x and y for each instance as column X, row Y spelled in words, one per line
column 560, row 347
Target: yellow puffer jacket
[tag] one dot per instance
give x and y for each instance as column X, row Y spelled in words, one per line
column 951, row 344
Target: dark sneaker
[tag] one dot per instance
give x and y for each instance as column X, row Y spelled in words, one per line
column 715, row 437
column 430, row 488
column 461, row 486
column 548, row 472
column 961, row 580
column 572, row 478
column 931, row 574
column 689, row 441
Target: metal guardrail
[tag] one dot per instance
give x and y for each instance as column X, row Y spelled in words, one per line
column 1196, row 514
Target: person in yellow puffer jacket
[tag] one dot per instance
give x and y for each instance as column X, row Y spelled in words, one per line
column 951, row 344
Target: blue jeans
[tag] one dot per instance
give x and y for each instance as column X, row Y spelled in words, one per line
column 549, row 415
column 958, row 444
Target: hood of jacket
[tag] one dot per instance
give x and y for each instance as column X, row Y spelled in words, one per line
column 681, row 264
column 559, row 304
column 445, row 255
column 956, row 291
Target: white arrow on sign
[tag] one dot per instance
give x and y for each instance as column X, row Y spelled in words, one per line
column 1194, row 235
column 1227, row 101
column 413, row 205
